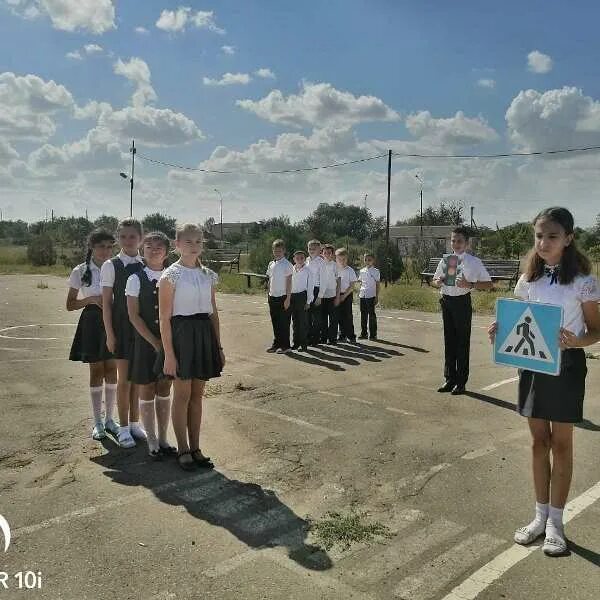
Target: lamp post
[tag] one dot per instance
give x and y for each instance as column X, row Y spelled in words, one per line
column 125, row 176
column 221, row 211
column 421, row 212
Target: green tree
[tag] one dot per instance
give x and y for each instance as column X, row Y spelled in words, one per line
column 447, row 213
column 107, row 222
column 40, row 250
column 159, row 222
column 388, row 260
column 338, row 220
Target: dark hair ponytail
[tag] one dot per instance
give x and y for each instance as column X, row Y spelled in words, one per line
column 96, row 237
column 572, row 263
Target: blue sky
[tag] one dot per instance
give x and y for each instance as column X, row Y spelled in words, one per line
column 345, row 79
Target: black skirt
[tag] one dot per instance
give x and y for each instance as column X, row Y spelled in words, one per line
column 555, row 398
column 89, row 343
column 123, row 330
column 195, row 346
column 143, row 360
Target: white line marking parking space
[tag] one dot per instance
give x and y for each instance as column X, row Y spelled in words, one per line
column 497, row 384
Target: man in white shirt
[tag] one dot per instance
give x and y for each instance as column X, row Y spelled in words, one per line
column 457, row 310
column 279, row 273
column 329, row 296
column 315, row 263
column 368, row 295
column 302, row 296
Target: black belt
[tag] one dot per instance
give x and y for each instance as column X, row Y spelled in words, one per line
column 196, row 317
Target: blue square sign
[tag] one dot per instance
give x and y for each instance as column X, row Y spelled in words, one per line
column 528, row 335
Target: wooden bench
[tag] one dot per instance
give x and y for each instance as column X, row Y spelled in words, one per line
column 249, row 276
column 222, row 256
column 499, row 270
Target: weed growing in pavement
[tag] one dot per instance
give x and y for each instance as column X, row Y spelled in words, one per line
column 345, row 530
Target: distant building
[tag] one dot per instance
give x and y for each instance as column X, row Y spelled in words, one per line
column 229, row 228
column 436, row 238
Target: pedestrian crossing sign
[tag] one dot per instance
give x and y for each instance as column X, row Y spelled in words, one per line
column 527, row 336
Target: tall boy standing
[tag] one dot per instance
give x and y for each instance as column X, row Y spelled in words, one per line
column 369, row 277
column 302, row 296
column 279, row 273
column 457, row 310
column 347, row 279
column 329, row 295
column 315, row 263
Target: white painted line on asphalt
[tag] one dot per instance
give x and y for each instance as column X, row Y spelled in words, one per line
column 334, row 394
column 400, row 411
column 493, row 386
column 17, row 360
column 425, row 475
column 294, row 386
column 231, row 564
column 15, row 349
column 91, row 510
column 437, row 573
column 361, row 400
column 493, row 570
column 13, row 337
column 478, row 453
column 262, row 411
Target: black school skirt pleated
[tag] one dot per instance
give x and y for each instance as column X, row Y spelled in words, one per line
column 555, row 398
column 124, row 334
column 195, row 346
column 143, row 361
column 89, row 343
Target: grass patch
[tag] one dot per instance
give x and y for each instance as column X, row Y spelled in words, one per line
column 42, row 285
column 232, row 283
column 344, row 530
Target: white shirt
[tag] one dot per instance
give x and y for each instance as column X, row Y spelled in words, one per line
column 584, row 288
column 107, row 273
column 315, row 265
column 193, row 288
column 302, row 281
column 347, row 277
column 132, row 288
column 329, row 276
column 368, row 276
column 470, row 268
column 85, row 291
column 278, row 271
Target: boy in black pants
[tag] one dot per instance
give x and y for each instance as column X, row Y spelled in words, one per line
column 347, row 279
column 369, row 277
column 302, row 296
column 279, row 273
column 457, row 310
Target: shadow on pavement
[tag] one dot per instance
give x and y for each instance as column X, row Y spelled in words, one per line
column 253, row 514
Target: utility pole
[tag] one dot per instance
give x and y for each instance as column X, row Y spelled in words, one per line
column 365, row 201
column 133, row 151
column 387, row 227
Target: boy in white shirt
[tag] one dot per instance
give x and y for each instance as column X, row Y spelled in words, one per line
column 302, row 296
column 457, row 310
column 329, row 295
column 369, row 277
column 347, row 279
column 315, row 263
column 279, row 273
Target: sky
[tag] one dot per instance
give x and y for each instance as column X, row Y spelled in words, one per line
column 251, row 86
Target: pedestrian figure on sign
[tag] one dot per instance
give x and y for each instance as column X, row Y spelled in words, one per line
column 527, row 336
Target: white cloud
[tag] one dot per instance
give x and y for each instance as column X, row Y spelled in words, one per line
column 320, row 105
column 141, row 30
column 486, row 83
column 228, row 79
column 537, row 62
column 87, row 50
column 93, row 49
column 265, row 73
column 7, row 152
column 177, row 20
column 554, row 119
column 137, row 71
column 27, row 105
column 94, row 16
column 75, row 55
column 449, row 132
column 228, row 50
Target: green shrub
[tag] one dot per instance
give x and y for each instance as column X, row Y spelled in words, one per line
column 40, row 251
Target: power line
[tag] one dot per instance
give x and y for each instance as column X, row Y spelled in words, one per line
column 281, row 172
column 506, row 155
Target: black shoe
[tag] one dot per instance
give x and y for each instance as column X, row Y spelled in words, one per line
column 271, row 349
column 373, row 338
column 296, row 347
column 458, row 390
column 332, row 343
column 304, row 348
column 447, row 387
column 362, row 336
column 351, row 340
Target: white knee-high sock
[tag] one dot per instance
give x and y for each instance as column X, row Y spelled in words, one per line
column 110, row 400
column 163, row 415
column 96, row 399
column 147, row 415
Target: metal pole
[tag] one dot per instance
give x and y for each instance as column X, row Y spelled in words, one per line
column 387, row 227
column 132, row 173
column 221, row 205
column 421, row 212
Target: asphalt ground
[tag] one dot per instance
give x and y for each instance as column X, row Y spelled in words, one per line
column 351, row 428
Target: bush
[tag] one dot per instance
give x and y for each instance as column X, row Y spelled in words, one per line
column 40, row 251
column 388, row 260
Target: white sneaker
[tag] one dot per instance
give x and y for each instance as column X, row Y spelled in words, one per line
column 111, row 427
column 137, row 431
column 554, row 546
column 124, row 438
column 98, row 432
column 528, row 534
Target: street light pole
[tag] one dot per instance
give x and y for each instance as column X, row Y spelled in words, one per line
column 421, row 212
column 221, row 211
column 132, row 150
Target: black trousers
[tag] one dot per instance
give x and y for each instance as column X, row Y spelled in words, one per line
column 280, row 319
column 346, row 321
column 368, row 317
column 330, row 320
column 299, row 319
column 457, row 312
column 315, row 319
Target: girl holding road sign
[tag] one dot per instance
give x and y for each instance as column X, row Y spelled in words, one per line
column 556, row 273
